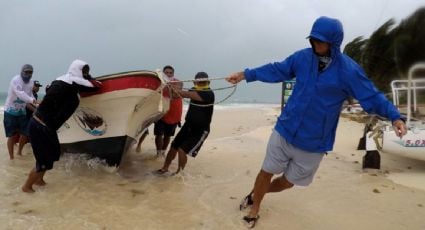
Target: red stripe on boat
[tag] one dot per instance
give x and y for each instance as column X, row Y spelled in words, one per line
column 126, row 82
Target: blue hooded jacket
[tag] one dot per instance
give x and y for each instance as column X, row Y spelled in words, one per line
column 311, row 115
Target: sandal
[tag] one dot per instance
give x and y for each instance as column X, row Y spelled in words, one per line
column 246, row 202
column 251, row 221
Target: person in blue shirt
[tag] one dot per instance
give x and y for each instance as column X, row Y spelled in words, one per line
column 305, row 130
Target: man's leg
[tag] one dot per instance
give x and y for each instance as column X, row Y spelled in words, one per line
column 170, row 157
column 139, row 144
column 279, row 184
column 10, row 146
column 182, row 160
column 33, row 176
column 159, row 142
column 40, row 180
column 261, row 187
column 22, row 141
column 165, row 142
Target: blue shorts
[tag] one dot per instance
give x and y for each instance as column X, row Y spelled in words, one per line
column 298, row 166
column 15, row 124
column 45, row 145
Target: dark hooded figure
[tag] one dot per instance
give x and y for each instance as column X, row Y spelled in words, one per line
column 58, row 105
column 305, row 130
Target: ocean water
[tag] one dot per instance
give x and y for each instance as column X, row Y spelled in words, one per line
column 3, row 96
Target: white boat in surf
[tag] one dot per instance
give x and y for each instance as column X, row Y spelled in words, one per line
column 109, row 121
column 413, row 143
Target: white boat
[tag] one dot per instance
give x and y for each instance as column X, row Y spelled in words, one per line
column 413, row 143
column 107, row 122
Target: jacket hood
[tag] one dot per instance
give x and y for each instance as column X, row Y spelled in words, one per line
column 75, row 74
column 328, row 30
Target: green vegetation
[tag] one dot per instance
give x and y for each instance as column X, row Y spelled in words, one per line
column 391, row 50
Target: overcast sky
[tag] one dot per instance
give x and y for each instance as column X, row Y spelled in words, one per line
column 216, row 36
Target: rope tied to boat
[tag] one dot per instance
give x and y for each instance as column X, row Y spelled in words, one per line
column 170, row 88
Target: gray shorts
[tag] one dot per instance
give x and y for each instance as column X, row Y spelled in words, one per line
column 298, row 166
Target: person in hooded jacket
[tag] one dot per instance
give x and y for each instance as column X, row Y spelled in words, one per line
column 59, row 103
column 305, row 129
column 14, row 120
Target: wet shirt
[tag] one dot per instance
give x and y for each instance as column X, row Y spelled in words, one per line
column 174, row 114
column 19, row 94
column 200, row 116
column 58, row 105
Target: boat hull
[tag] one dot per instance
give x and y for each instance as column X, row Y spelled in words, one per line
column 108, row 122
column 412, row 145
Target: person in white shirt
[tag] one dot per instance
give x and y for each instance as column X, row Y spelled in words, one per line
column 19, row 94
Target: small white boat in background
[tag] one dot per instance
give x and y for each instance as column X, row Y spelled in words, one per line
column 413, row 143
column 109, row 121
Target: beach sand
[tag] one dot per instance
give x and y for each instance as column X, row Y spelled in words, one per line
column 85, row 194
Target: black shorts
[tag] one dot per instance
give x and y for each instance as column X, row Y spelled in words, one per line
column 45, row 145
column 190, row 139
column 162, row 128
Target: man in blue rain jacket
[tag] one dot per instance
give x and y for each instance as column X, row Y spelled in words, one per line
column 306, row 128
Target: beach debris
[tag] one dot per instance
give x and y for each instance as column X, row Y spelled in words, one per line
column 28, row 211
column 232, row 198
column 135, row 192
column 16, row 203
column 375, row 190
column 409, row 167
column 420, row 205
column 356, row 162
column 373, row 174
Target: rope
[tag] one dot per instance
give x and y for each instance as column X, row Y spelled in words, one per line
column 221, row 101
column 167, row 85
column 203, row 79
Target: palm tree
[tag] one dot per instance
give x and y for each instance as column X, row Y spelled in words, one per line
column 391, row 50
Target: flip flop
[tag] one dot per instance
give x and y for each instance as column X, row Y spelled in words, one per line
column 246, row 202
column 251, row 221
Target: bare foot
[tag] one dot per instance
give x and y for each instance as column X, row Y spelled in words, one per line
column 178, row 172
column 160, row 171
column 27, row 190
column 138, row 149
column 40, row 183
column 19, row 153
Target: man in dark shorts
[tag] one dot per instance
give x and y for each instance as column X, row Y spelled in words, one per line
column 14, row 119
column 58, row 105
column 165, row 128
column 196, row 128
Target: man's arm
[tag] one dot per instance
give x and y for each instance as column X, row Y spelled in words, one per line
column 17, row 89
column 188, row 94
column 235, row 78
column 399, row 128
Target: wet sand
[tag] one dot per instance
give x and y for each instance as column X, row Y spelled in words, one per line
column 83, row 194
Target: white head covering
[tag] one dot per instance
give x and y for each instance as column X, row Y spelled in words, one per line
column 75, row 74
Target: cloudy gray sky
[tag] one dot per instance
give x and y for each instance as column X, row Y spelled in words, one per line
column 219, row 37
